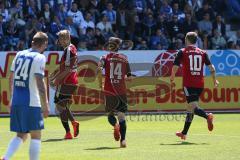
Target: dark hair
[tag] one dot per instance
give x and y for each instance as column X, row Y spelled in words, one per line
column 191, row 37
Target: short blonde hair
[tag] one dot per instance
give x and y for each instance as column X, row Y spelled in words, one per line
column 192, row 37
column 64, row 34
column 39, row 39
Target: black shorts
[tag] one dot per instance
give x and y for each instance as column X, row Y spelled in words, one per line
column 64, row 92
column 192, row 94
column 116, row 103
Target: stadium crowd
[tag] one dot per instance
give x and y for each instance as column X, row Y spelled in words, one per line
column 150, row 24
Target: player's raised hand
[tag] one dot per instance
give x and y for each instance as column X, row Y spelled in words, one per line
column 216, row 83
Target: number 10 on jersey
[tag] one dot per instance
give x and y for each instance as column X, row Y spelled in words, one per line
column 195, row 62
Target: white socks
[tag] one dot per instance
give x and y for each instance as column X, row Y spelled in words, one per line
column 13, row 147
column 34, row 149
column 16, row 142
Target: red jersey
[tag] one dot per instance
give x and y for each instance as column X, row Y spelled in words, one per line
column 116, row 68
column 69, row 59
column 192, row 60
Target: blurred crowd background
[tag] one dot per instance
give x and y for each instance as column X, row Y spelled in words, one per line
column 150, row 24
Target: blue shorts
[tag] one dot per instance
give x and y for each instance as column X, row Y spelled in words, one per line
column 24, row 119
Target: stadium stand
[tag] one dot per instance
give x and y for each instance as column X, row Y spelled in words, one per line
column 150, row 24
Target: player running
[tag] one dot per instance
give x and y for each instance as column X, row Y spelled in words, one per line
column 66, row 81
column 28, row 92
column 116, row 68
column 193, row 59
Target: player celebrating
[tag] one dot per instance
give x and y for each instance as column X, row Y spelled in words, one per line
column 28, row 92
column 116, row 68
column 193, row 60
column 66, row 81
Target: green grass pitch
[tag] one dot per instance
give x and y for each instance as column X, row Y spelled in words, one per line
column 147, row 139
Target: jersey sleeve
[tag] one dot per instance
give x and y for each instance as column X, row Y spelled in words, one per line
column 12, row 69
column 39, row 65
column 178, row 58
column 13, row 64
column 207, row 60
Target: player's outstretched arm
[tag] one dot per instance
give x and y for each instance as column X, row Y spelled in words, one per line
column 174, row 71
column 43, row 95
column 176, row 65
column 213, row 73
column 99, row 77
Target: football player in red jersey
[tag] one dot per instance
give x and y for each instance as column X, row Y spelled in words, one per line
column 193, row 59
column 66, row 83
column 117, row 69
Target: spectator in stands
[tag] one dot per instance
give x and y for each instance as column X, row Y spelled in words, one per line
column 89, row 37
column 166, row 10
column 94, row 12
column 127, row 19
column 140, row 6
column 21, row 45
column 12, row 34
column 138, row 27
column 153, row 5
column 203, row 11
column 92, row 4
column 47, row 14
column 61, row 13
column 76, row 15
column 30, row 30
column 72, row 29
column 87, row 23
column 188, row 9
column 31, row 10
column 110, row 13
column 175, row 28
column 102, row 5
column 178, row 12
column 17, row 13
column 162, row 24
column 199, row 40
column 238, row 39
column 2, row 33
column 4, row 12
column 159, row 39
column 66, row 3
column 218, row 41
column 189, row 24
column 142, row 45
column 99, row 39
column 219, row 25
column 82, row 46
column 205, row 25
column 56, row 26
column 122, row 23
column 149, row 25
column 104, row 24
column 219, row 6
column 231, row 45
column 235, row 38
column 178, row 44
column 195, row 4
column 233, row 7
